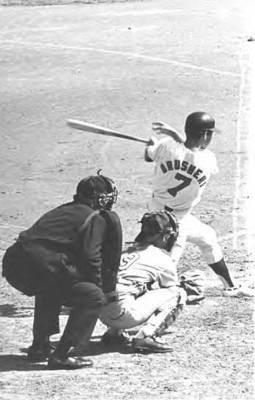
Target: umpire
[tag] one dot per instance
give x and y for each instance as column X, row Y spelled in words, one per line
column 69, row 257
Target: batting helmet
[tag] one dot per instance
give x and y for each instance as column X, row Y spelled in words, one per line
column 99, row 188
column 159, row 222
column 199, row 122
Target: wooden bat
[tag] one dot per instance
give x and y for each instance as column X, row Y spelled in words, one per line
column 87, row 127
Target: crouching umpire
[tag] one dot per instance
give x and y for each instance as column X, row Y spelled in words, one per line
column 69, row 257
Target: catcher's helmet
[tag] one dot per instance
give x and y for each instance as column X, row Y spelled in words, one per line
column 159, row 222
column 198, row 122
column 99, row 188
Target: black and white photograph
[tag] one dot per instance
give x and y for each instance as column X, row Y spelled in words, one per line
column 127, row 199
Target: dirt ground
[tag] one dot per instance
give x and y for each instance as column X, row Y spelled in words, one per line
column 125, row 65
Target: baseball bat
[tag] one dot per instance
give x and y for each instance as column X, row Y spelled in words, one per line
column 87, row 127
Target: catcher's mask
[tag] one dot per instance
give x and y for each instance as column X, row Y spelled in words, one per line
column 99, row 189
column 159, row 222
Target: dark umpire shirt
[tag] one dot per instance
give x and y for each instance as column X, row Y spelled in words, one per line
column 63, row 244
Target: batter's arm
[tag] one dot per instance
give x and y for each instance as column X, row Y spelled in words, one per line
column 152, row 142
column 161, row 128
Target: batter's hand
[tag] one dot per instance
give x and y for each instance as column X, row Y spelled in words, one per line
column 153, row 140
column 165, row 129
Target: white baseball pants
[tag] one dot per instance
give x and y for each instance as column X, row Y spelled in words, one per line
column 192, row 230
column 154, row 306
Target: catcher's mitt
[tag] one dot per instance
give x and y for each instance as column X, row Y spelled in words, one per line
column 193, row 283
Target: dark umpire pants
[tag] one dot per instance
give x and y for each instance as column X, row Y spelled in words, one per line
column 85, row 300
column 52, row 292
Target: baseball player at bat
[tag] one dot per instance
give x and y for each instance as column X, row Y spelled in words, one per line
column 182, row 170
column 148, row 291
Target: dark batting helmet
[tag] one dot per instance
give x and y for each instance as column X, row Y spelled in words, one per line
column 158, row 222
column 99, row 189
column 199, row 122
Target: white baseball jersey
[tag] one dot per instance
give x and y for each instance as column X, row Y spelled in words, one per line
column 180, row 175
column 143, row 266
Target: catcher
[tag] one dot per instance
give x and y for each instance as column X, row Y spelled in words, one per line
column 182, row 170
column 148, row 289
column 69, row 257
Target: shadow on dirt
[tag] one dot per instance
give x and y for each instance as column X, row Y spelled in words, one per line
column 12, row 362
column 12, row 311
column 96, row 348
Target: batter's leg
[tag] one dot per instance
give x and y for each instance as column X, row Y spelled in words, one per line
column 204, row 236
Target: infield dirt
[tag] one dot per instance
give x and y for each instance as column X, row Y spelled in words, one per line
column 125, row 65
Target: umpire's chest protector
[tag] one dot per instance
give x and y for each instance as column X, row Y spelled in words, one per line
column 112, row 248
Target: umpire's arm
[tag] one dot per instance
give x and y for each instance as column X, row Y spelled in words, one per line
column 92, row 249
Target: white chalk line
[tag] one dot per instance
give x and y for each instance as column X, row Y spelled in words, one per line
column 237, row 194
column 139, row 13
column 158, row 11
column 77, row 27
column 24, row 30
column 244, row 192
column 250, row 192
column 37, row 45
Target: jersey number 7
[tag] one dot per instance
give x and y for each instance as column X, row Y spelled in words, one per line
column 185, row 181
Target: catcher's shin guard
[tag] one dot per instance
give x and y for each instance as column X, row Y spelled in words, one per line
column 164, row 317
column 171, row 314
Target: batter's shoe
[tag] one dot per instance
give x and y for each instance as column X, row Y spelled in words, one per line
column 239, row 292
column 56, row 362
column 150, row 344
column 37, row 353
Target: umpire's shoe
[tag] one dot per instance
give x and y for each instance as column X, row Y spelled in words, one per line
column 39, row 353
column 56, row 362
column 150, row 344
